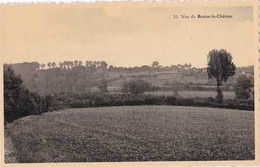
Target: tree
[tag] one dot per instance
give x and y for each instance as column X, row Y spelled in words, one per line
column 103, row 66
column 49, row 64
column 138, row 86
column 42, row 66
column 125, row 87
column 93, row 66
column 155, row 64
column 53, row 64
column 221, row 67
column 67, row 64
column 103, row 85
column 35, row 65
column 61, row 65
column 71, row 64
column 110, row 68
column 243, row 87
column 76, row 63
column 18, row 101
column 98, row 65
column 12, row 90
column 88, row 63
column 80, row 63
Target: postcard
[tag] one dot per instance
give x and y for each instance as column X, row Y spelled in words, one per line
column 130, row 84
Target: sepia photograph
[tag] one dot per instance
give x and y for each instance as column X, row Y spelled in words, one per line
column 128, row 82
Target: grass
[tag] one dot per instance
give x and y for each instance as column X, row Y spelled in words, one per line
column 135, row 133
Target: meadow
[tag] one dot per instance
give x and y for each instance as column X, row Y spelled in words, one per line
column 135, row 133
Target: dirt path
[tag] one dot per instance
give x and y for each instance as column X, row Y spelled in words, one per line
column 10, row 151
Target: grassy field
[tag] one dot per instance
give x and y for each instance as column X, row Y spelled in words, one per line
column 136, row 133
column 159, row 78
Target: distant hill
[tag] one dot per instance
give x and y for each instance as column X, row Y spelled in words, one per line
column 74, row 76
column 246, row 69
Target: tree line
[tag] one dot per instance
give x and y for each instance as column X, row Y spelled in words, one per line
column 73, row 75
column 19, row 101
column 94, row 66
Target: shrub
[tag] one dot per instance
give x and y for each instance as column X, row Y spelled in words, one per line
column 243, row 87
column 138, row 86
column 172, row 100
column 98, row 100
column 77, row 104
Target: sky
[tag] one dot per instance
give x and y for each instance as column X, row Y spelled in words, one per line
column 123, row 35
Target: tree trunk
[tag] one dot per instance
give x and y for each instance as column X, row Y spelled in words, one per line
column 219, row 96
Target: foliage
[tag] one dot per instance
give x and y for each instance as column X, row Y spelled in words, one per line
column 18, row 101
column 221, row 67
column 125, row 87
column 85, row 100
column 137, row 86
column 102, row 86
column 155, row 64
column 244, row 87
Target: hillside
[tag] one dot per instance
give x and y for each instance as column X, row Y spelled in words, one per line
column 77, row 77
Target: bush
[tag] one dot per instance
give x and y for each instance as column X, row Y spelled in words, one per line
column 138, row 86
column 99, row 100
column 77, row 104
column 243, row 87
column 172, row 100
